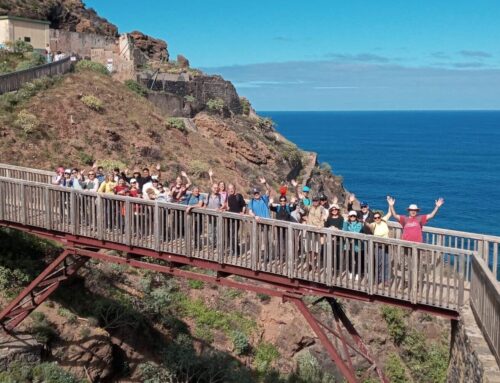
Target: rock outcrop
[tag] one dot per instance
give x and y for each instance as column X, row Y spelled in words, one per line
column 71, row 15
column 154, row 49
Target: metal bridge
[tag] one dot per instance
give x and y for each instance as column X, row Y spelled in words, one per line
column 285, row 259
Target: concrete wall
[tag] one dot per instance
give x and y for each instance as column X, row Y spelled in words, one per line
column 471, row 360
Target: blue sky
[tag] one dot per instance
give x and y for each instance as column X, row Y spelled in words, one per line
column 333, row 55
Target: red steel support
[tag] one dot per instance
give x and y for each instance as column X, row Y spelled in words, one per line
column 40, row 289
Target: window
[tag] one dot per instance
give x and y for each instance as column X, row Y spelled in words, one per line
column 27, row 39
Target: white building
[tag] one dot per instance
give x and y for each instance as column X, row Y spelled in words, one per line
column 35, row 32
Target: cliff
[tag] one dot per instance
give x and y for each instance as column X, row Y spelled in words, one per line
column 71, row 15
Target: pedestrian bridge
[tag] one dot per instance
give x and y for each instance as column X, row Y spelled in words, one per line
column 451, row 268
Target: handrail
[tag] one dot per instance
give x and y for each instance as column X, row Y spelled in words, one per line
column 485, row 304
column 421, row 274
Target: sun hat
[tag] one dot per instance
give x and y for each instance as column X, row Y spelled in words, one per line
column 353, row 213
column 413, row 207
column 334, row 206
column 306, row 189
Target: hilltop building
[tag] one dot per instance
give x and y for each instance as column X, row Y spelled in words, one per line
column 35, row 32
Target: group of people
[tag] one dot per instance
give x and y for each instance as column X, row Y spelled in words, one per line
column 315, row 210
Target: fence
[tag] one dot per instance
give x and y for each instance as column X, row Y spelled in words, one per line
column 417, row 273
column 13, row 81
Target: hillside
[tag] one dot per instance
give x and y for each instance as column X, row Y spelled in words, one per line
column 71, row 15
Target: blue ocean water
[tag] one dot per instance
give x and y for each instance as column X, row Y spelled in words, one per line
column 414, row 156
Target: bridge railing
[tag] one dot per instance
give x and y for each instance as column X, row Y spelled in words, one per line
column 10, row 82
column 422, row 274
column 487, row 247
column 485, row 303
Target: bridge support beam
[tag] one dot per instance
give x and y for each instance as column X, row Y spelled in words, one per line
column 62, row 268
column 68, row 263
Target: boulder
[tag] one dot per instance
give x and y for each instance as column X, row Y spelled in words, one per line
column 182, row 61
column 154, row 49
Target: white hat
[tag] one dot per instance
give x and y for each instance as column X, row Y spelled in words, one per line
column 67, row 171
column 333, row 206
column 132, row 180
column 353, row 213
column 413, row 207
column 154, row 178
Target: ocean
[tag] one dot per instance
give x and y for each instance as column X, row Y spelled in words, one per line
column 415, row 157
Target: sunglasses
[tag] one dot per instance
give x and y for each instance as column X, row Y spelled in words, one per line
column 376, row 217
column 282, row 200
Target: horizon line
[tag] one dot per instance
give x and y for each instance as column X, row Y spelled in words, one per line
column 378, row 110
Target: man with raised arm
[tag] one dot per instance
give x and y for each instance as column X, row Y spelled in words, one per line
column 259, row 204
column 413, row 223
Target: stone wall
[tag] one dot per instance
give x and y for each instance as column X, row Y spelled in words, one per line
column 80, row 43
column 471, row 360
column 203, row 88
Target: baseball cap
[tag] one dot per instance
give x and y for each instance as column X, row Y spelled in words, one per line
column 413, row 207
column 255, row 191
column 306, row 189
column 315, row 198
column 154, row 178
column 353, row 213
column 322, row 197
column 132, row 180
column 334, row 206
column 363, row 203
column 67, row 171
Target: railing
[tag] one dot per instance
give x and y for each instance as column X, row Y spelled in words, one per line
column 485, row 304
column 10, row 82
column 486, row 246
column 417, row 273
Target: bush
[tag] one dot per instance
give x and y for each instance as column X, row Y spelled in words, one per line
column 85, row 158
column 245, row 105
column 27, row 122
column 176, row 123
column 309, row 370
column 395, row 319
column 41, row 329
column 34, row 59
column 291, row 154
column 215, row 105
column 395, row 370
column 72, row 318
column 265, row 355
column 240, row 342
column 194, row 284
column 92, row 102
column 190, row 98
column 44, row 372
column 19, row 46
column 87, row 65
column 198, row 168
column 135, row 87
column 264, row 298
column 109, row 165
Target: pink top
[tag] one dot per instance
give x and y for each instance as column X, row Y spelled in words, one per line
column 412, row 227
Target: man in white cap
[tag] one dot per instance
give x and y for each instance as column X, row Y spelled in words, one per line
column 412, row 225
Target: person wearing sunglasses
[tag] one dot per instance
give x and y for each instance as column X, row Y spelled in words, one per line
column 91, row 183
column 283, row 210
column 379, row 228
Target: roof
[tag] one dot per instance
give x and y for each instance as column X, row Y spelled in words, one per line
column 8, row 17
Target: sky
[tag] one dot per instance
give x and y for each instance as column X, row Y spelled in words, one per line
column 333, row 55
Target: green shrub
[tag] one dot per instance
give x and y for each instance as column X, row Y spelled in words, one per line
column 135, row 87
column 92, row 102
column 194, row 284
column 151, row 373
column 33, row 59
column 189, row 98
column 27, row 122
column 245, row 105
column 395, row 318
column 72, row 318
column 264, row 298
column 198, row 168
column 87, row 65
column 41, row 329
column 19, row 46
column 265, row 355
column 325, row 167
column 12, row 278
column 240, row 341
column 395, row 370
column 215, row 105
column 85, row 332
column 309, row 370
column 109, row 165
column 18, row 372
column 85, row 158
column 292, row 154
column 176, row 123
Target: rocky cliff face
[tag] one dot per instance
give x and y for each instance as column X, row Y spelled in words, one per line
column 71, row 15
column 155, row 49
